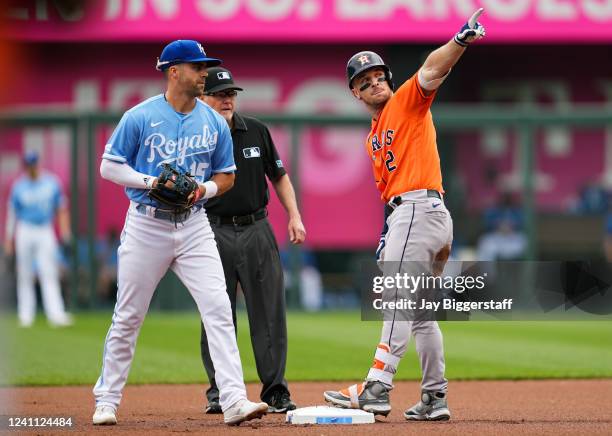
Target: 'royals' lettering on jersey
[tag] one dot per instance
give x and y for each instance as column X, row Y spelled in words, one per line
column 36, row 201
column 402, row 144
column 153, row 133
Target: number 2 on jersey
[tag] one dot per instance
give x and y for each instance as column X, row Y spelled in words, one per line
column 389, row 161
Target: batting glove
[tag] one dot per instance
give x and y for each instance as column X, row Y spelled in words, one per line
column 471, row 31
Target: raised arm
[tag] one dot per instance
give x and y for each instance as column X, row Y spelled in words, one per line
column 440, row 61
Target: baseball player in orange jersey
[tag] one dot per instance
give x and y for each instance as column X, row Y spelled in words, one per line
column 402, row 148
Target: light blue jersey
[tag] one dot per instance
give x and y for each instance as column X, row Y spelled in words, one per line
column 36, row 201
column 153, row 133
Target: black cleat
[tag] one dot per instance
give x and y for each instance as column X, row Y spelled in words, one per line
column 280, row 403
column 213, row 407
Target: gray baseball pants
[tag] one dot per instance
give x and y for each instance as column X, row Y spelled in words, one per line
column 420, row 229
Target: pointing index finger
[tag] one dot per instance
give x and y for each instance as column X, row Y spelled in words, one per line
column 474, row 18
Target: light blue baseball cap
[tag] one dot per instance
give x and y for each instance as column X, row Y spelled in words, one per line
column 184, row 51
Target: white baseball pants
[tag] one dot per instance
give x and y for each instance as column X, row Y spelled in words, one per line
column 37, row 245
column 149, row 246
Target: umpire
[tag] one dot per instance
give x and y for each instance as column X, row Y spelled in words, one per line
column 248, row 248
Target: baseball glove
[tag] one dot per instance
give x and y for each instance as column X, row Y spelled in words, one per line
column 175, row 189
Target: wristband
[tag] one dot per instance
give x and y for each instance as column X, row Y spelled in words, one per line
column 211, row 189
column 149, row 182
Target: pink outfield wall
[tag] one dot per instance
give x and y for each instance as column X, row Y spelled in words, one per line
column 340, row 205
column 513, row 21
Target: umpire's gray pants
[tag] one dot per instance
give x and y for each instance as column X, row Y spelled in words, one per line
column 249, row 255
column 420, row 229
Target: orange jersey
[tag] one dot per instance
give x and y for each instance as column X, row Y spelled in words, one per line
column 402, row 143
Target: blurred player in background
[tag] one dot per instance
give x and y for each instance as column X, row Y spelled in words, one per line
column 404, row 155
column 35, row 200
column 247, row 245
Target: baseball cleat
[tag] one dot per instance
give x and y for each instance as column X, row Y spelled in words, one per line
column 213, row 407
column 281, row 403
column 371, row 396
column 104, row 415
column 244, row 410
column 26, row 324
column 62, row 321
column 432, row 407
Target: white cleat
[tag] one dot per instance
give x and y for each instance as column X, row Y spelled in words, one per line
column 63, row 321
column 104, row 415
column 244, row 410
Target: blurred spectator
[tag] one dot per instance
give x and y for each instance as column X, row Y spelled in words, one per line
column 105, row 255
column 84, row 273
column 504, row 239
column 311, row 284
column 8, row 281
column 607, row 245
column 504, row 243
column 107, row 259
column 507, row 210
column 593, row 200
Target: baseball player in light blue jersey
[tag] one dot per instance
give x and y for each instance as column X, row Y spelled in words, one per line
column 178, row 129
column 35, row 199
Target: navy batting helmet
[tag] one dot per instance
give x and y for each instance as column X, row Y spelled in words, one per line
column 363, row 61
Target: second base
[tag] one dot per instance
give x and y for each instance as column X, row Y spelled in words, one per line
column 329, row 415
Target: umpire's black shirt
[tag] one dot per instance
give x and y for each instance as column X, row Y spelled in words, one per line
column 255, row 157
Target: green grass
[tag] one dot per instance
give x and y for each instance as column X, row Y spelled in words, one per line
column 323, row 346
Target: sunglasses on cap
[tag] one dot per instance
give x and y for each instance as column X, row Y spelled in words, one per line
column 223, row 94
column 368, row 84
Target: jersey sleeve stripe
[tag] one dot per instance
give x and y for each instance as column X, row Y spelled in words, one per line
column 422, row 91
column 226, row 170
column 114, row 158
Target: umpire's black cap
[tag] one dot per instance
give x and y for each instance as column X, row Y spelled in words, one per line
column 219, row 79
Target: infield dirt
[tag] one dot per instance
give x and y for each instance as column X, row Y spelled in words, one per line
column 478, row 407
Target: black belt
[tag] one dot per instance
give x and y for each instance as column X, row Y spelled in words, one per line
column 238, row 220
column 397, row 200
column 169, row 214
